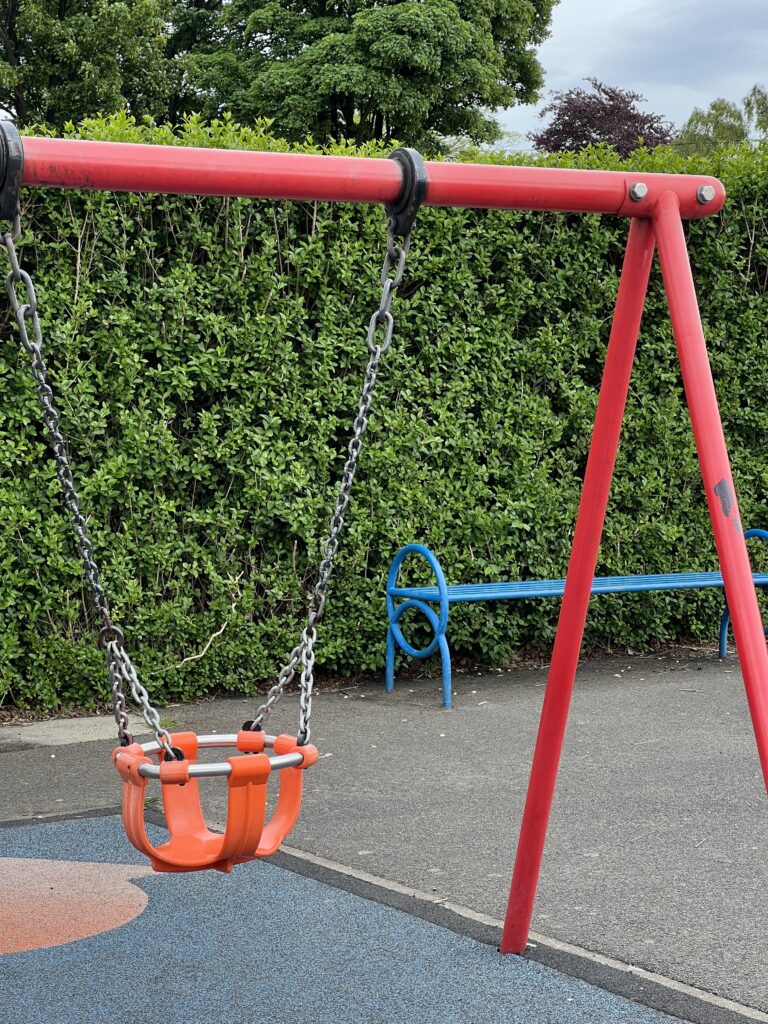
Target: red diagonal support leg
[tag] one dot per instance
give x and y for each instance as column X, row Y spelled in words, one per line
column 578, row 584
column 715, row 467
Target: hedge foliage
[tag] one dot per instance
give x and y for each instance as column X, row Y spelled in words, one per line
column 207, row 356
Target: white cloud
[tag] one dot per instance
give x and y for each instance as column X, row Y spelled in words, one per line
column 677, row 53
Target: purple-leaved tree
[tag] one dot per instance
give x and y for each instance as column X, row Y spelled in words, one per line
column 606, row 114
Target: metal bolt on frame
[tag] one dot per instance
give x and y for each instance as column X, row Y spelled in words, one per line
column 638, row 190
column 705, row 194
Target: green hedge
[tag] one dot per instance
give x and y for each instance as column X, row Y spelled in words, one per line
column 207, row 356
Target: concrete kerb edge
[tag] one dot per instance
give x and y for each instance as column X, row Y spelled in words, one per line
column 665, row 995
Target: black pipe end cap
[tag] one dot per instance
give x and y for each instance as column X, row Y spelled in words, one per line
column 11, row 167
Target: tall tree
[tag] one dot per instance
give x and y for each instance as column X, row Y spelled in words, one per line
column 194, row 35
column 725, row 123
column 606, row 114
column 62, row 60
column 366, row 69
column 755, row 105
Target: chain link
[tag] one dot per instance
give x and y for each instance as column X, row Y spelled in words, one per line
column 119, row 666
column 303, row 654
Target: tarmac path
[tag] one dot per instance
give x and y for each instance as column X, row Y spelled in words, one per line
column 657, row 859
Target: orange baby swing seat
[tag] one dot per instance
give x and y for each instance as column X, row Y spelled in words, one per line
column 191, row 845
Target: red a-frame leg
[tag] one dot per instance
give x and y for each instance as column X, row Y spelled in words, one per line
column 578, row 583
column 715, row 467
column 713, row 457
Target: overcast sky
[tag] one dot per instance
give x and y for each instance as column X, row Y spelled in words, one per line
column 679, row 54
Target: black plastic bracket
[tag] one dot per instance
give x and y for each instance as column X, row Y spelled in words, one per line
column 403, row 212
column 11, row 167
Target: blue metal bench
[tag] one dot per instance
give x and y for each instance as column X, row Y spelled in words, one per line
column 434, row 601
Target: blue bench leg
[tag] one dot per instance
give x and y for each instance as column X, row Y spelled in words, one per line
column 724, row 621
column 389, row 676
column 445, row 658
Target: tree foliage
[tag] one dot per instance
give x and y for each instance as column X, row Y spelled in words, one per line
column 413, row 70
column 63, row 60
column 362, row 70
column 725, row 123
column 193, row 34
column 607, row 115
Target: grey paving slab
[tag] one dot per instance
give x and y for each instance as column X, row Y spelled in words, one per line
column 40, row 781
column 266, row 944
column 60, row 732
column 658, row 851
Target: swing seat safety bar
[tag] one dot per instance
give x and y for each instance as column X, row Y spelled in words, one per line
column 215, row 770
column 248, row 835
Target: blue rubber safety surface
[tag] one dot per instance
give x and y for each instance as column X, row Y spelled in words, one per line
column 264, row 944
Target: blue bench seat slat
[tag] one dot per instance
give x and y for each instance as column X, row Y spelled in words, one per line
column 554, row 588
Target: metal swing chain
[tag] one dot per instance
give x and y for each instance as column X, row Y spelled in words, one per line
column 121, row 670
column 304, row 653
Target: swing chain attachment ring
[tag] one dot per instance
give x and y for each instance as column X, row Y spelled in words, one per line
column 25, row 312
column 402, row 213
column 109, row 634
column 400, row 219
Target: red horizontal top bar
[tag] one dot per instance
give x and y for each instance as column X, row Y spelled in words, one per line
column 130, row 167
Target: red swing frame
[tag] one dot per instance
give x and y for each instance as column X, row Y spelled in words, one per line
column 657, row 204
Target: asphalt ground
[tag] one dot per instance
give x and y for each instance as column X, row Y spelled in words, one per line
column 657, row 855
